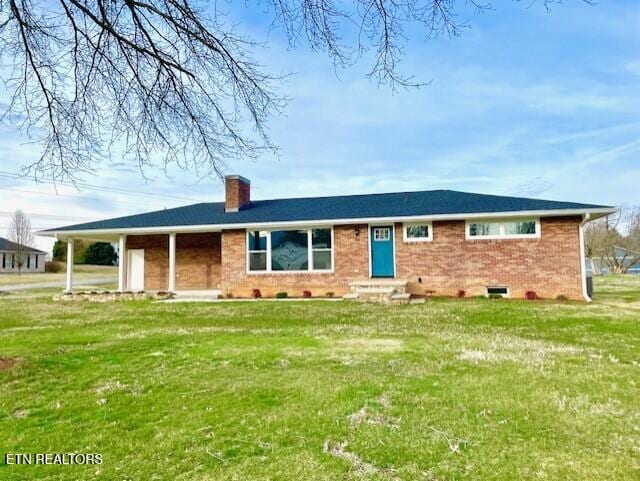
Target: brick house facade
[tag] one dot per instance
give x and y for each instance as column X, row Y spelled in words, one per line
column 549, row 265
column 439, row 242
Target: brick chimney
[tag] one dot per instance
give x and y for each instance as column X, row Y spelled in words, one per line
column 237, row 193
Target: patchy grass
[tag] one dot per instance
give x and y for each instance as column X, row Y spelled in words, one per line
column 449, row 389
column 79, row 272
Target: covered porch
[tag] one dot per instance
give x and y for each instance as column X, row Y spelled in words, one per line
column 173, row 261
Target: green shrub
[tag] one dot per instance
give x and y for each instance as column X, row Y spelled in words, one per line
column 101, row 254
column 52, row 266
column 562, row 298
column 282, row 295
column 330, row 294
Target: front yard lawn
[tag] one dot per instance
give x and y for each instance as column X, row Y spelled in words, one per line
column 446, row 390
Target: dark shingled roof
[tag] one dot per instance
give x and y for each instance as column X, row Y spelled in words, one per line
column 399, row 204
column 7, row 245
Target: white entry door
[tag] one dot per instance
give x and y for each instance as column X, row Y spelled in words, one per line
column 135, row 269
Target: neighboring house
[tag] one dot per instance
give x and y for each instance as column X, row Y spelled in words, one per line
column 438, row 241
column 34, row 261
column 623, row 256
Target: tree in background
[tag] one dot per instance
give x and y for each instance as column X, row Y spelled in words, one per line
column 59, row 252
column 614, row 241
column 173, row 80
column 101, row 254
column 21, row 234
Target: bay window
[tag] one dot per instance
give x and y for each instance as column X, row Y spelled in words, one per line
column 290, row 250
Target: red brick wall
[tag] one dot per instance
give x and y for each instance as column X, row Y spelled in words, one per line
column 549, row 265
column 197, row 260
column 351, row 257
column 156, row 259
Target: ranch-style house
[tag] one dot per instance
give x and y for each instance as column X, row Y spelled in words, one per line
column 438, row 242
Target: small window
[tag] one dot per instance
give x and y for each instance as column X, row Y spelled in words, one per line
column 36, row 256
column 28, row 261
column 417, row 232
column 381, row 234
column 504, row 229
column 4, row 260
column 498, row 291
column 482, row 229
column 520, row 228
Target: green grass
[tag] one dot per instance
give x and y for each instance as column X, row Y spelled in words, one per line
column 446, row 390
column 79, row 272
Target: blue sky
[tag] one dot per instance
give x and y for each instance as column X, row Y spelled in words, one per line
column 525, row 103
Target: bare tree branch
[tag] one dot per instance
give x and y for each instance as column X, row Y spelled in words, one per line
column 164, row 82
column 20, row 233
column 614, row 241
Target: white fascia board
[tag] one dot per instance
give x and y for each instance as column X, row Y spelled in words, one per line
column 327, row 222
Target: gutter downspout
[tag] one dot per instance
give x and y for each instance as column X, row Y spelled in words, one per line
column 583, row 274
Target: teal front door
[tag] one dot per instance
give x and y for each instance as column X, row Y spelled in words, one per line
column 382, row 251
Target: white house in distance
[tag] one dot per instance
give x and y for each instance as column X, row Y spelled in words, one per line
column 9, row 257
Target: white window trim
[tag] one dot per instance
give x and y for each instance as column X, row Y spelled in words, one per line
column 502, row 235
column 311, row 270
column 380, row 228
column 504, row 296
column 406, row 238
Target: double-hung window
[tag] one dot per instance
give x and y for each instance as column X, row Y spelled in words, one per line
column 503, row 229
column 321, row 249
column 290, row 250
column 257, row 250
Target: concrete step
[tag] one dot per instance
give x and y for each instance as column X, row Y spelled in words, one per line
column 200, row 295
column 378, row 282
column 350, row 297
column 381, row 290
column 401, row 298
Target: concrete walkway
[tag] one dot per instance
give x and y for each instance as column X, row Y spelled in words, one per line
column 44, row 285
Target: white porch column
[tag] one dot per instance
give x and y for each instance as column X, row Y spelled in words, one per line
column 172, row 262
column 122, row 263
column 69, row 266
